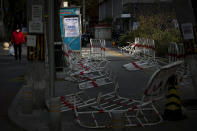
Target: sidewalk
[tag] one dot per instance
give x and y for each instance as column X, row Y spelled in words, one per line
column 131, row 85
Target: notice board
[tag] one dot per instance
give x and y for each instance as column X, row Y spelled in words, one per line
column 70, row 25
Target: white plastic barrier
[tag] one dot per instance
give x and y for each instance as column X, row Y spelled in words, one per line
column 176, row 52
column 144, row 50
column 142, row 112
column 129, row 48
column 79, row 66
column 97, row 49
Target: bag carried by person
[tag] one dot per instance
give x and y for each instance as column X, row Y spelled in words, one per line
column 11, row 50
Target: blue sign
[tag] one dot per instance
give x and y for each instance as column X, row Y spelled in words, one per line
column 70, row 27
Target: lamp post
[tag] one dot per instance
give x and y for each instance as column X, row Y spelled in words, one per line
column 51, row 47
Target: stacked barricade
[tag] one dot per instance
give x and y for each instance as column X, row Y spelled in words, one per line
column 129, row 48
column 142, row 112
column 97, row 49
column 87, row 73
column 144, row 50
column 176, row 52
column 90, row 111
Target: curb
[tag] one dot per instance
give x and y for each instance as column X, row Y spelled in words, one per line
column 12, row 108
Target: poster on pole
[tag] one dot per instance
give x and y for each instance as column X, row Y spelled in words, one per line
column 35, row 27
column 31, row 40
column 71, row 27
column 187, row 30
column 37, row 12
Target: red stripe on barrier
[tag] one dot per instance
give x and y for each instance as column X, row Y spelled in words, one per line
column 146, row 92
column 101, row 111
column 69, row 51
column 66, row 54
column 144, row 46
column 93, row 82
column 81, row 73
column 102, row 48
column 136, row 66
column 133, row 108
column 125, row 105
column 62, row 98
column 175, row 55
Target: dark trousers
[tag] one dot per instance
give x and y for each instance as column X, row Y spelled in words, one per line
column 17, row 51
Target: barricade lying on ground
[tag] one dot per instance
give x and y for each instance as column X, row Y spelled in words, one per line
column 81, row 69
column 96, row 112
column 135, row 112
column 88, row 73
column 176, row 52
column 144, row 50
column 82, row 95
column 129, row 48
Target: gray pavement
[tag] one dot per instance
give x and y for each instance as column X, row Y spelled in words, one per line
column 131, row 84
column 10, row 85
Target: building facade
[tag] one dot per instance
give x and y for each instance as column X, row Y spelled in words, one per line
column 111, row 9
column 1, row 20
column 124, row 13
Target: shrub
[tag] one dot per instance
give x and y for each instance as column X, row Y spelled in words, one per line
column 158, row 27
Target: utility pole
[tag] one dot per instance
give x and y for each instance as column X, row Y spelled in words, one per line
column 51, row 48
column 84, row 21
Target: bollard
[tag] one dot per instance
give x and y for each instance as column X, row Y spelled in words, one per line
column 27, row 104
column 117, row 120
column 173, row 107
column 6, row 46
column 55, row 115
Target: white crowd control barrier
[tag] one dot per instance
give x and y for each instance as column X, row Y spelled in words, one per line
column 88, row 75
column 129, row 48
column 83, row 100
column 176, row 52
column 107, row 79
column 97, row 49
column 142, row 112
column 144, row 50
column 82, row 67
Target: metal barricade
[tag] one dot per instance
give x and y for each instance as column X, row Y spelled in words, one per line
column 144, row 50
column 97, row 49
column 142, row 112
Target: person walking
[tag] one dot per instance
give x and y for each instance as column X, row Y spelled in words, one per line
column 17, row 40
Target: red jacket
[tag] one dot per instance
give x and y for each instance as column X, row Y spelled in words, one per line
column 17, row 38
